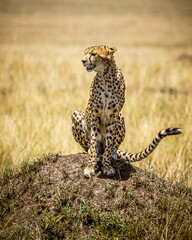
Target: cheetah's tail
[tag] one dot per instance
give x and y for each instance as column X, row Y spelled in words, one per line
column 133, row 157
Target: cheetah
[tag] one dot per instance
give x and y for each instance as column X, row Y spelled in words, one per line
column 100, row 129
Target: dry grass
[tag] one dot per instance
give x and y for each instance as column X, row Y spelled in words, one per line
column 42, row 80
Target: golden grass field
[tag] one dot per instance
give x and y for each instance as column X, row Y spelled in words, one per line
column 42, row 80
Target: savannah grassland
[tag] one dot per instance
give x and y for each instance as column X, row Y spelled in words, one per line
column 42, row 80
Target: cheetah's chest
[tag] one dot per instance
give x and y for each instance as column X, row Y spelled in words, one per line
column 105, row 106
column 105, row 111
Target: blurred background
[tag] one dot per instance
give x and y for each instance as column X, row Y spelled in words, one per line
column 42, row 80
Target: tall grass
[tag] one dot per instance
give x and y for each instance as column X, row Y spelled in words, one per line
column 42, row 80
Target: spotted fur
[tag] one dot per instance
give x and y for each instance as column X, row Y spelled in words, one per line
column 133, row 157
column 100, row 129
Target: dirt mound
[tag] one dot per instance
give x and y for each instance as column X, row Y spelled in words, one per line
column 51, row 199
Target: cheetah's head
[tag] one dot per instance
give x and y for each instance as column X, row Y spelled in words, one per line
column 97, row 58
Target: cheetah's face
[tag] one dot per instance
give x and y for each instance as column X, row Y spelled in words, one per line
column 93, row 62
column 97, row 58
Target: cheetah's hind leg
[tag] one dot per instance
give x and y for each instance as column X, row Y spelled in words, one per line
column 80, row 129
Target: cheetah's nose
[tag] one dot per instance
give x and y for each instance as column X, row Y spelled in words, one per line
column 83, row 61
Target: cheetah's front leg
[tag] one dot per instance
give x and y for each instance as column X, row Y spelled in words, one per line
column 92, row 163
column 106, row 162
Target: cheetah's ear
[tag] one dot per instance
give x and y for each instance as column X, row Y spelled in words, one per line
column 112, row 50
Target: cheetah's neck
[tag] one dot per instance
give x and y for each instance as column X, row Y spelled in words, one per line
column 108, row 74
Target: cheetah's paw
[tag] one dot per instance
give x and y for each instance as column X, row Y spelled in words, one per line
column 110, row 171
column 89, row 171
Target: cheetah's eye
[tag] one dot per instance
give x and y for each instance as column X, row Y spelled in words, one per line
column 93, row 54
